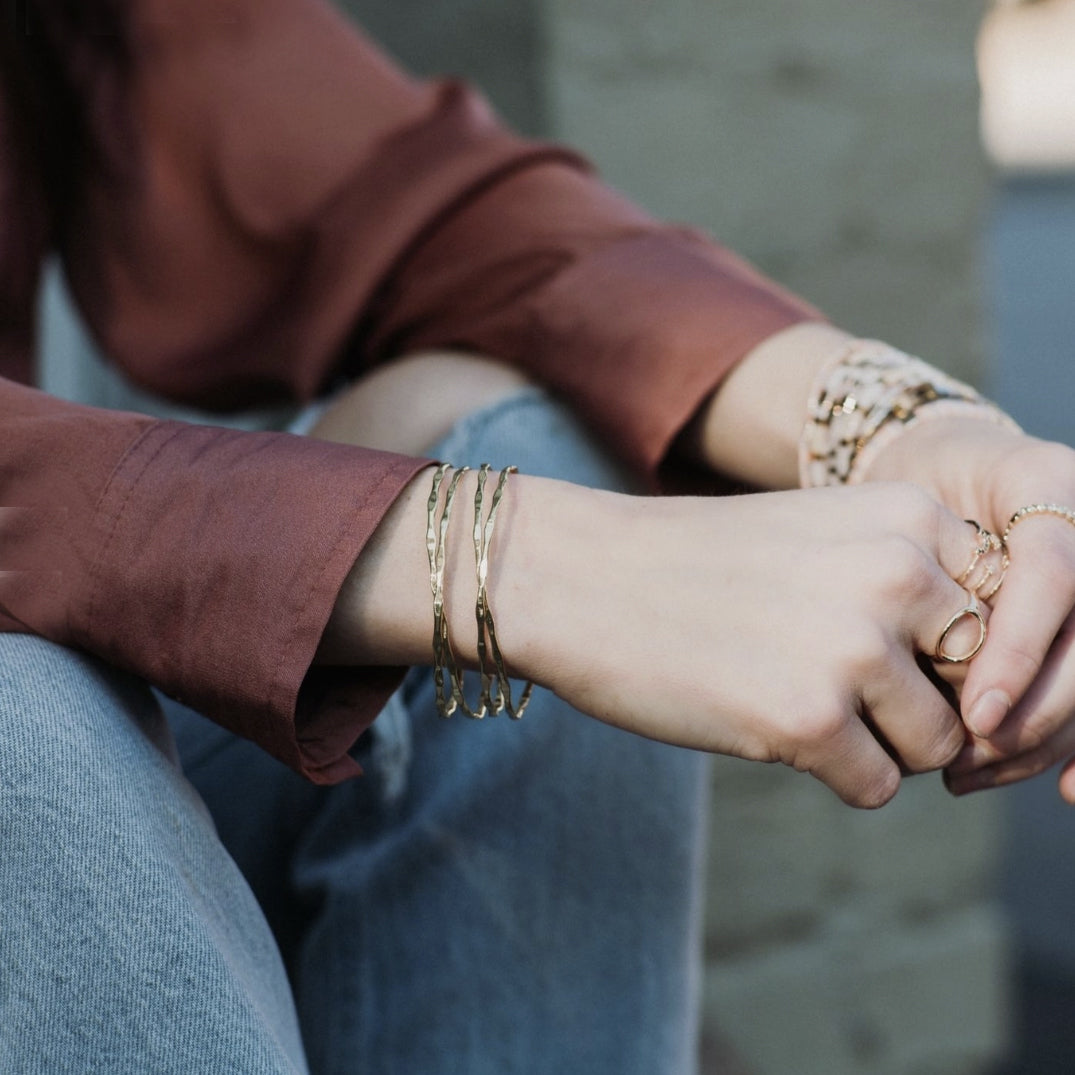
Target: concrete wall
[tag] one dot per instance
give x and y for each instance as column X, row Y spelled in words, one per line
column 834, row 142
column 497, row 44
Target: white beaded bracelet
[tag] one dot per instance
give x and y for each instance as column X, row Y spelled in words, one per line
column 866, row 398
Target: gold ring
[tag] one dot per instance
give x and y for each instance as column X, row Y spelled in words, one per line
column 987, row 544
column 969, row 610
column 1061, row 512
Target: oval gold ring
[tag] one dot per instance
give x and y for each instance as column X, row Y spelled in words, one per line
column 970, row 610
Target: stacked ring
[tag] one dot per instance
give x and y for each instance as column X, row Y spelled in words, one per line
column 987, row 581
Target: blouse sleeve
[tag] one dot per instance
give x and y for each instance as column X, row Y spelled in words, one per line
column 274, row 207
column 303, row 209
column 205, row 560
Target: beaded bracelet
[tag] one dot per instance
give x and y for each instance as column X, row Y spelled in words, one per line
column 866, row 398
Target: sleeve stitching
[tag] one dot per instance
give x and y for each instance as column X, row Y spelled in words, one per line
column 122, row 508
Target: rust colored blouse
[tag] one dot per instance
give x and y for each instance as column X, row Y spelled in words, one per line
column 257, row 205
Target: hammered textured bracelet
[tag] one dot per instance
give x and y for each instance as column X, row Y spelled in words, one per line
column 868, row 397
column 495, row 686
column 446, row 674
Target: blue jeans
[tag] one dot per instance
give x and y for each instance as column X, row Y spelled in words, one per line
column 491, row 896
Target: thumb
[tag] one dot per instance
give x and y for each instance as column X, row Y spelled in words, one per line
column 1029, row 612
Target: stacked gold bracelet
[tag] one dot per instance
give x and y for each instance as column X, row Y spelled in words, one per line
column 495, row 687
column 865, row 399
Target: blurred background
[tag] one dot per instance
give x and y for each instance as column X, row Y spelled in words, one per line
column 851, row 151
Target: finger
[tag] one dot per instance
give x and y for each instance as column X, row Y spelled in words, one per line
column 988, row 564
column 1012, row 770
column 1038, row 595
column 1039, row 718
column 855, row 766
column 947, row 624
column 914, row 718
column 1066, row 783
column 961, row 638
column 970, row 556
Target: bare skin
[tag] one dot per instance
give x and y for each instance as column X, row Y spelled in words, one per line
column 1017, row 696
column 610, row 600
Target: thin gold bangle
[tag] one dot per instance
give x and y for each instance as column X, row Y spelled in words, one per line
column 501, row 701
column 495, row 692
column 447, row 675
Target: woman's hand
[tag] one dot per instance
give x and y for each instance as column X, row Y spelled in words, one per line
column 783, row 627
column 1018, row 697
column 779, row 627
column 1019, row 694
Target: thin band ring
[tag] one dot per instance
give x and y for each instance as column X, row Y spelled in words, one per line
column 982, row 572
column 1059, row 510
column 969, row 610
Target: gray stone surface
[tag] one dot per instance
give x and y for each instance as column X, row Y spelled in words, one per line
column 856, row 998
column 1030, row 277
column 833, row 142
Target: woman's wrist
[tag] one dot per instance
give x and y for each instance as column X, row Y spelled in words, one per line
column 750, row 428
column 382, row 612
column 541, row 555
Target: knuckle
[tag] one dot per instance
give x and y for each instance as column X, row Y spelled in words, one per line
column 912, row 509
column 942, row 748
column 818, row 725
column 1050, row 461
column 918, row 509
column 876, row 790
column 1044, row 730
column 904, row 571
column 869, row 651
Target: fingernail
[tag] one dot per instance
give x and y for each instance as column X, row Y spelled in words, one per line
column 964, row 762
column 966, row 783
column 988, row 712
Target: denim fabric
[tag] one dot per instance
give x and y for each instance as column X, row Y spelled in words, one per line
column 494, row 896
column 129, row 943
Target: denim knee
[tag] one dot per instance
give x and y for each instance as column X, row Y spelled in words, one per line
column 531, row 430
column 62, row 709
column 130, row 943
